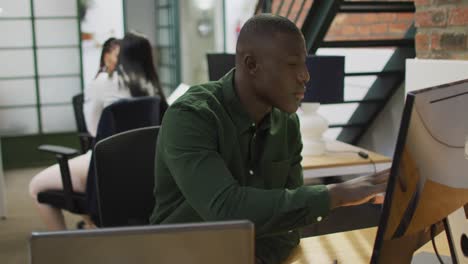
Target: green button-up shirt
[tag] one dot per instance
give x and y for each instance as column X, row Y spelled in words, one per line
column 213, row 163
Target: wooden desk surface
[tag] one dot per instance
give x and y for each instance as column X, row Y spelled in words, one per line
column 341, row 154
column 349, row 247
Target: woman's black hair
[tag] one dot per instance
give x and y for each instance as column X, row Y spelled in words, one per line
column 136, row 68
column 107, row 47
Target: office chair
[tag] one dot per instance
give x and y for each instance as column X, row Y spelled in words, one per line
column 120, row 116
column 86, row 140
column 124, row 166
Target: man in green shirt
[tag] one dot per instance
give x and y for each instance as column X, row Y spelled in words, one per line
column 231, row 149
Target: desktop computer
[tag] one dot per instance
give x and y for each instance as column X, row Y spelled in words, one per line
column 429, row 175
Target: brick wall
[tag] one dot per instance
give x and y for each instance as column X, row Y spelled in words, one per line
column 442, row 29
column 351, row 26
column 442, row 25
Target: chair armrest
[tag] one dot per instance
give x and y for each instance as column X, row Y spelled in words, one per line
column 58, row 150
column 63, row 154
column 85, row 135
column 86, row 141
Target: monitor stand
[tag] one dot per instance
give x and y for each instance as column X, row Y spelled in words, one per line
column 456, row 226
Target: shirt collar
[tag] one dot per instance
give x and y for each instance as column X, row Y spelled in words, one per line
column 234, row 107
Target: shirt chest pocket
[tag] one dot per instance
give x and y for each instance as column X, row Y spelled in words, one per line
column 275, row 173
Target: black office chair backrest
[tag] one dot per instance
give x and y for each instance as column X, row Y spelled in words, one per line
column 85, row 138
column 77, row 101
column 123, row 115
column 219, row 64
column 125, row 177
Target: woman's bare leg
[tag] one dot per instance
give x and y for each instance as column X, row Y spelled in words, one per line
column 50, row 179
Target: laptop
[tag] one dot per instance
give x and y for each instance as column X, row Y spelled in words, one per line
column 211, row 242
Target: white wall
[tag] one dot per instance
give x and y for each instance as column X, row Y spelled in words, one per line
column 426, row 73
column 140, row 16
column 104, row 19
column 237, row 13
column 382, row 135
column 193, row 46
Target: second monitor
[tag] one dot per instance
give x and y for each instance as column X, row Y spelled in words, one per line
column 326, row 85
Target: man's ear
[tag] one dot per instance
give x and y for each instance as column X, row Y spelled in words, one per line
column 250, row 63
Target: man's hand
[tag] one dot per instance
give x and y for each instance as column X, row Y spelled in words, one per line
column 358, row 191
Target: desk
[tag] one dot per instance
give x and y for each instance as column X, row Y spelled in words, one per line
column 342, row 159
column 349, row 247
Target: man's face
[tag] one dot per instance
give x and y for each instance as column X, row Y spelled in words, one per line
column 282, row 73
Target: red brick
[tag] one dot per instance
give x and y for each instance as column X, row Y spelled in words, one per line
column 439, row 55
column 453, row 41
column 405, row 17
column 444, row 2
column 349, row 30
column 340, row 19
column 292, row 15
column 421, row 2
column 431, row 18
column 422, row 55
column 370, row 18
column 353, row 19
column 387, row 17
column 459, row 55
column 274, row 7
column 458, row 16
column 399, row 28
column 334, row 31
column 422, row 42
column 435, row 41
column 379, row 29
column 364, row 30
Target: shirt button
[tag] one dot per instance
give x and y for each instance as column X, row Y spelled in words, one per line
column 319, row 219
column 251, row 172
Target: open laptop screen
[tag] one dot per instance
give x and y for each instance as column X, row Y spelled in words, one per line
column 216, row 242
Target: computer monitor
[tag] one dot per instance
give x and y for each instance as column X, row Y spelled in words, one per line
column 326, row 85
column 429, row 175
column 219, row 64
column 215, row 242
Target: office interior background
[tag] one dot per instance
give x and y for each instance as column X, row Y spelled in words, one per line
column 49, row 51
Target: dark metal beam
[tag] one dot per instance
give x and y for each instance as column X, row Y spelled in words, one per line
column 318, row 21
column 377, row 7
column 368, row 43
column 291, row 4
column 381, row 73
column 300, row 11
column 383, row 86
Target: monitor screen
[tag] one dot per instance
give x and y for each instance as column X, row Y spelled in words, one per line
column 215, row 242
column 219, row 64
column 326, row 84
column 429, row 174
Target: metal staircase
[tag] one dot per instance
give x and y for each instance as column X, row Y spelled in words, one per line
column 317, row 22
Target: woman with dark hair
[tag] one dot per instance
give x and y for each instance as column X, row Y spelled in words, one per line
column 136, row 68
column 135, row 76
column 109, row 56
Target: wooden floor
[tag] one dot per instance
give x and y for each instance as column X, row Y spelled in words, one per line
column 22, row 217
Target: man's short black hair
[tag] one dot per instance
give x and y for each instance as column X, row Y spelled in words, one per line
column 266, row 25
